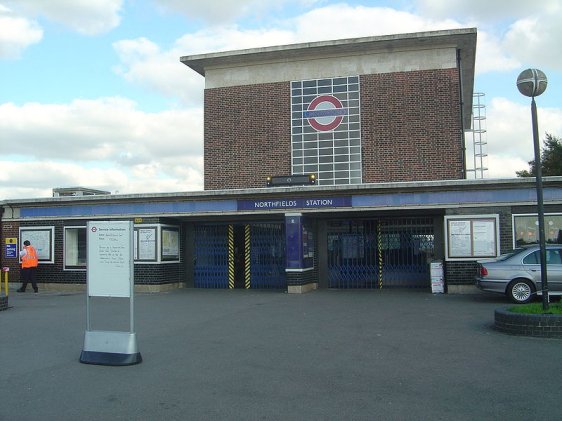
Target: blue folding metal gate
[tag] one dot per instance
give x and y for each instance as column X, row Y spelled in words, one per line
column 239, row 256
column 211, row 256
column 267, row 257
column 380, row 253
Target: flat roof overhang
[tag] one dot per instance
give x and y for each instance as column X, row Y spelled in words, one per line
column 411, row 196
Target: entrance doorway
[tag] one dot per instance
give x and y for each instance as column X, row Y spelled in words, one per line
column 380, row 253
column 239, row 256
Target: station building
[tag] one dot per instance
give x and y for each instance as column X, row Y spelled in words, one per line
column 336, row 164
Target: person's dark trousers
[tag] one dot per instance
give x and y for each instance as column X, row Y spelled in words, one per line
column 28, row 275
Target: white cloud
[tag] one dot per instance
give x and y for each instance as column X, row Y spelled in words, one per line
column 16, row 33
column 145, row 64
column 501, row 166
column 141, row 58
column 491, row 56
column 536, row 40
column 141, row 151
column 510, row 32
column 110, row 144
column 344, row 21
column 231, row 37
column 218, row 11
column 484, row 10
column 509, row 135
column 38, row 178
column 31, row 177
column 89, row 17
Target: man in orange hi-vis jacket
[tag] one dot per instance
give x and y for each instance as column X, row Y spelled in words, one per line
column 29, row 262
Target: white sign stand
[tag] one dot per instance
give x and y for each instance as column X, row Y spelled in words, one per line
column 110, row 274
column 437, row 277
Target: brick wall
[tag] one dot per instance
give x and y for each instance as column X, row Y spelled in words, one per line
column 410, row 124
column 410, row 130
column 247, row 135
column 158, row 274
column 10, row 230
column 54, row 273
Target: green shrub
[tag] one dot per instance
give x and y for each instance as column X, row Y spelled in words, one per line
column 536, row 308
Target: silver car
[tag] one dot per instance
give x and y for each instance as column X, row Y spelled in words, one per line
column 518, row 273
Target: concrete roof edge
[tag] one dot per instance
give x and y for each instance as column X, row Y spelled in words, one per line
column 198, row 62
column 231, row 194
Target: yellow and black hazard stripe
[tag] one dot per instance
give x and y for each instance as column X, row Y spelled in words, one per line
column 247, row 283
column 230, row 257
column 379, row 241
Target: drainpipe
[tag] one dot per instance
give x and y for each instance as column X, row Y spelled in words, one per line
column 461, row 97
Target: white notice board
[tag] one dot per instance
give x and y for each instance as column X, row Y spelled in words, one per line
column 110, row 258
column 41, row 239
column 469, row 237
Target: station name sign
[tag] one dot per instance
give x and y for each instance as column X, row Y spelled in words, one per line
column 295, row 203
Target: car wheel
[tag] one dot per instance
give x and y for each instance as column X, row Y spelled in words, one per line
column 520, row 291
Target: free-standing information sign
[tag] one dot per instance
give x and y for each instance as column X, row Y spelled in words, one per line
column 110, row 274
column 437, row 278
column 110, row 261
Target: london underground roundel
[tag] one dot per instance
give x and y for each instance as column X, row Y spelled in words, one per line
column 325, row 113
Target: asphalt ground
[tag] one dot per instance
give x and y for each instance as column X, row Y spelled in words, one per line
column 268, row 355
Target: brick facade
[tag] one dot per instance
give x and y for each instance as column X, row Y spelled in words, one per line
column 10, row 230
column 411, row 126
column 54, row 273
column 410, row 123
column 247, row 135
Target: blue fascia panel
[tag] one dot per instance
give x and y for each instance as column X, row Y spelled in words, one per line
column 455, row 197
column 444, row 198
column 130, row 209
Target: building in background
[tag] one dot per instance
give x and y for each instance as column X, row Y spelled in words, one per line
column 365, row 110
column 362, row 142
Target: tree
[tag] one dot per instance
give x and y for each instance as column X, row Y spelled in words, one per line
column 551, row 159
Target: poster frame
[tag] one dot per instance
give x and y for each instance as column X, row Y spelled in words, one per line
column 159, row 257
column 471, row 249
column 535, row 215
column 50, row 232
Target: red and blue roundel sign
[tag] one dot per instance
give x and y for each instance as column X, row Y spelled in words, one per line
column 325, row 113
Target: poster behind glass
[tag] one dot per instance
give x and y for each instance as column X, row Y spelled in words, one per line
column 526, row 229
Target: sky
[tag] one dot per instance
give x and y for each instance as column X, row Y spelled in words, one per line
column 92, row 92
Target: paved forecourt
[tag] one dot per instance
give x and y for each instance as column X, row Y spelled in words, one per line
column 268, row 355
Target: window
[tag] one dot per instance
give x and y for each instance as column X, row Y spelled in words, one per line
column 526, row 229
column 328, row 112
column 152, row 244
column 552, row 258
column 170, row 243
column 532, row 259
column 156, row 243
column 145, row 244
column 75, row 247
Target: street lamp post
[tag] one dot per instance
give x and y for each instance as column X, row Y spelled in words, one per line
column 532, row 83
